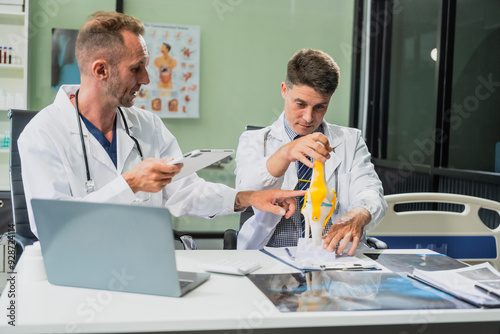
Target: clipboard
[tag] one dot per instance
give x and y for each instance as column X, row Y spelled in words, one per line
column 343, row 263
column 198, row 159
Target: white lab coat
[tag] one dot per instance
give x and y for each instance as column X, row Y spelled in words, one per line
column 349, row 172
column 53, row 165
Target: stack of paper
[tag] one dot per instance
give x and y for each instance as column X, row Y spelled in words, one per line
column 478, row 285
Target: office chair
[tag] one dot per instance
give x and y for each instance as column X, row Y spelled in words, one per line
column 23, row 235
column 231, row 236
column 412, row 222
column 5, row 211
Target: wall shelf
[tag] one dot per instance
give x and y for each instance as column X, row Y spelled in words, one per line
column 12, row 17
column 11, row 67
column 13, row 77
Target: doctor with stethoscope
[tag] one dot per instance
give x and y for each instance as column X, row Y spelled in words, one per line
column 92, row 144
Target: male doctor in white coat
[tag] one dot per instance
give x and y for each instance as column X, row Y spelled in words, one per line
column 268, row 158
column 91, row 144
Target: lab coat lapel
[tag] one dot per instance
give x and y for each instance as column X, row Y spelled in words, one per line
column 278, row 132
column 338, row 145
column 124, row 143
column 277, row 138
column 94, row 151
column 67, row 110
column 97, row 151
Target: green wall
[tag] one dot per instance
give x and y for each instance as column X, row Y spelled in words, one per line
column 245, row 48
column 44, row 15
column 245, row 45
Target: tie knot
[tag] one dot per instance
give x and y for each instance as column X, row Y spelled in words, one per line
column 297, row 137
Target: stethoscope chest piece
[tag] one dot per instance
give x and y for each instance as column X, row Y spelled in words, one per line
column 89, row 186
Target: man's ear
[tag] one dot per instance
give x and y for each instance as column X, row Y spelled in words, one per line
column 100, row 69
column 283, row 89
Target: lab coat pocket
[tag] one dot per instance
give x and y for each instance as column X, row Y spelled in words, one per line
column 343, row 192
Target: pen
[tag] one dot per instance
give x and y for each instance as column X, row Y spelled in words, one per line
column 354, row 267
column 289, row 253
column 488, row 292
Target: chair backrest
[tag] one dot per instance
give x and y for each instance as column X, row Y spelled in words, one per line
column 18, row 120
column 461, row 235
column 253, row 127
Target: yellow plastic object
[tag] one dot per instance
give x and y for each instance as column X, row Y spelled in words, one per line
column 317, row 190
column 334, row 202
column 319, row 196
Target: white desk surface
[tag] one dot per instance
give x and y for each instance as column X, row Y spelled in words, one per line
column 224, row 302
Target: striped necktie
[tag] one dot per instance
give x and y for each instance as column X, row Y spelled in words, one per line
column 304, row 174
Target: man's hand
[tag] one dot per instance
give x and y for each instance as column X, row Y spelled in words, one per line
column 151, row 175
column 277, row 201
column 348, row 228
column 314, row 145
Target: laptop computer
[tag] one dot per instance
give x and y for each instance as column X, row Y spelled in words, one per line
column 113, row 247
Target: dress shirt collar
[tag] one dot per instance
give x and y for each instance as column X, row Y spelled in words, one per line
column 292, row 134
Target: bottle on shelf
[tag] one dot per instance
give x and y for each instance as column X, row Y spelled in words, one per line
column 5, row 140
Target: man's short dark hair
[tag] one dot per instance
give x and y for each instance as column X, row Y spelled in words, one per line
column 313, row 68
column 101, row 37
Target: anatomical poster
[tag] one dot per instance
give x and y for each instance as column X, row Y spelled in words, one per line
column 174, row 71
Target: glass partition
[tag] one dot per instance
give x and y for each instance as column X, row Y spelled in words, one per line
column 475, row 109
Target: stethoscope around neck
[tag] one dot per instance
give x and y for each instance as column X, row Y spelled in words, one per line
column 89, row 184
